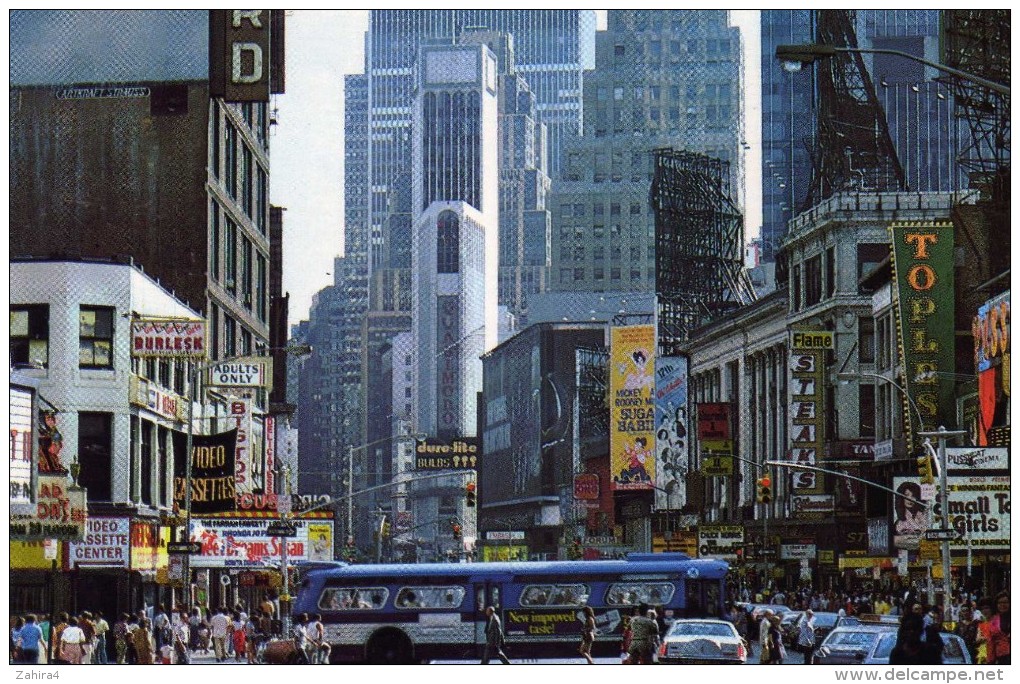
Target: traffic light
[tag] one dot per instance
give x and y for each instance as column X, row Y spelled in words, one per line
column 455, row 527
column 924, row 469
column 469, row 493
column 765, row 489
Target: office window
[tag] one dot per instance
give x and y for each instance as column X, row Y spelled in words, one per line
column 635, row 209
column 614, row 273
column 229, row 336
column 215, row 163
column 214, row 240
column 614, row 209
column 163, row 439
column 619, row 50
column 869, row 256
column 579, row 274
column 617, row 93
column 30, row 333
column 830, row 272
column 866, row 339
column 448, row 242
column 95, row 449
column 95, row 337
column 795, row 288
column 866, row 412
column 246, row 272
column 247, row 181
column 246, row 341
column 230, row 172
column 230, row 257
column 813, row 280
column 260, row 287
column 261, row 201
column 148, row 437
column 163, row 366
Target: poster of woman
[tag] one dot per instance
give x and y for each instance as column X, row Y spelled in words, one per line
column 911, row 514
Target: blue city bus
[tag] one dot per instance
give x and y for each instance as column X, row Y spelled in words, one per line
column 412, row 613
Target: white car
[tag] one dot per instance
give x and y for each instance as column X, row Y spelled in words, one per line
column 704, row 642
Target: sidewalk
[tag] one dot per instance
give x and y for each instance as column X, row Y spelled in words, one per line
column 210, row 659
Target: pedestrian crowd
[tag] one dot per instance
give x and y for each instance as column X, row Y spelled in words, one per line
column 983, row 623
column 142, row 638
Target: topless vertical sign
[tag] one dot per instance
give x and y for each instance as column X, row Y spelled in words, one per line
column 632, row 407
column 923, row 263
column 807, row 422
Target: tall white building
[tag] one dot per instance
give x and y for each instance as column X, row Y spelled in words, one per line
column 455, row 233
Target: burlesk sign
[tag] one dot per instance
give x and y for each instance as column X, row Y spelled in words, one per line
column 175, row 338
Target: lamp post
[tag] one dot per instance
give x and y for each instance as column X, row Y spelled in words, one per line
column 193, row 375
column 942, row 435
column 795, row 57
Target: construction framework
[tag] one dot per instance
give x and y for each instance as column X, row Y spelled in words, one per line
column 853, row 149
column 699, row 238
column 977, row 42
column 592, row 393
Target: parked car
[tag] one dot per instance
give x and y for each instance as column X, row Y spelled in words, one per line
column 706, row 642
column 871, row 644
column 824, row 623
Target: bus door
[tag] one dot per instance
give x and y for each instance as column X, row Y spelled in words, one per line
column 487, row 593
column 702, row 598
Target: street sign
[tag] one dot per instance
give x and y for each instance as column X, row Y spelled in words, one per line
column 940, row 535
column 183, row 548
column 281, row 529
column 716, row 466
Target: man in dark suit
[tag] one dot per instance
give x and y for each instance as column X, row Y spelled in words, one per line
column 493, row 638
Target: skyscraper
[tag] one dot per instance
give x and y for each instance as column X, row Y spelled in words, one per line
column 662, row 79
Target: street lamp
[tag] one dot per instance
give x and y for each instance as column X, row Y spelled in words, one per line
column 794, row 57
column 193, row 375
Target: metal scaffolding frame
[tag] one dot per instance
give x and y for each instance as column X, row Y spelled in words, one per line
column 977, row 41
column 699, row 265
column 853, row 150
column 592, row 393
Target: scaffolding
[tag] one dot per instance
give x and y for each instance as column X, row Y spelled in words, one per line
column 978, row 42
column 853, row 150
column 592, row 394
column 699, row 269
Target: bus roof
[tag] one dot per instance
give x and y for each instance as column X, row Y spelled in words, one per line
column 635, row 564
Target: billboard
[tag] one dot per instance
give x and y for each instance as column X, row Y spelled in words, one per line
column 720, row 541
column 807, row 407
column 632, row 407
column 990, row 417
column 168, row 338
column 212, row 472
column 670, row 430
column 60, row 511
column 979, row 507
column 923, row 258
column 459, row 453
column 244, row 543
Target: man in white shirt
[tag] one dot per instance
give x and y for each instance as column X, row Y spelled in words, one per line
column 218, row 628
column 763, row 632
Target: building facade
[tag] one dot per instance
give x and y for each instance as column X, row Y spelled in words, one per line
column 662, row 79
column 113, row 415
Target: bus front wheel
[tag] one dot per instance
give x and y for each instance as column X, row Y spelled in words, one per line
column 389, row 647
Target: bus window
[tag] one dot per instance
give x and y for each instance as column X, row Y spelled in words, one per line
column 555, row 595
column 437, row 598
column 353, row 598
column 634, row 593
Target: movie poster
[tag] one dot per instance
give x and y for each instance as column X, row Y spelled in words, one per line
column 632, row 407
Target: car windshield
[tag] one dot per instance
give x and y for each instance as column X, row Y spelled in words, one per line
column 952, row 648
column 885, row 645
column 851, row 639
column 700, row 629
